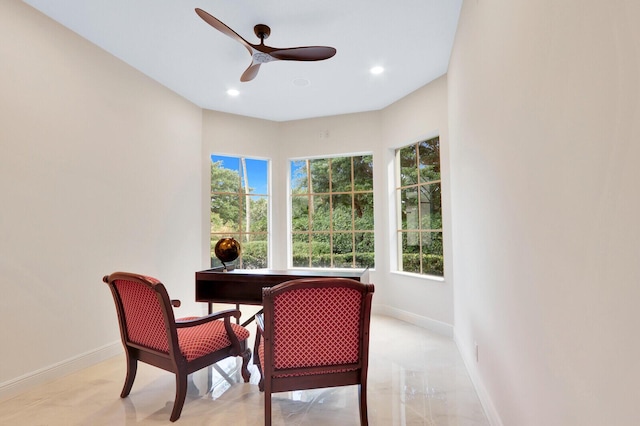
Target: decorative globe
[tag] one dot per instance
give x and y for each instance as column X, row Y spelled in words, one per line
column 227, row 250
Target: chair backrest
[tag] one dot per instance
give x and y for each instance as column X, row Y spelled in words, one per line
column 318, row 322
column 144, row 311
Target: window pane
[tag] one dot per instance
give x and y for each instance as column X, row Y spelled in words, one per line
column 319, row 175
column 225, row 213
column 300, row 213
column 429, row 156
column 363, row 211
column 225, row 174
column 254, row 252
column 364, row 242
column 341, row 174
column 364, row 249
column 363, row 173
column 320, row 214
column 321, row 247
column 411, row 242
column 300, row 246
column 299, row 176
column 342, row 242
column 430, row 206
column 321, row 243
column 257, row 174
column 432, row 259
column 409, row 205
column 342, row 249
column 341, row 212
column 432, row 243
column 410, row 252
column 408, row 170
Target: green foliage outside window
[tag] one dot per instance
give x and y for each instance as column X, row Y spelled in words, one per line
column 332, row 212
column 420, row 204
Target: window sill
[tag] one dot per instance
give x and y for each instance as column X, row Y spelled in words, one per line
column 434, row 278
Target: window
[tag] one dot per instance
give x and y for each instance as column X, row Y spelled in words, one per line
column 420, row 208
column 239, row 208
column 332, row 212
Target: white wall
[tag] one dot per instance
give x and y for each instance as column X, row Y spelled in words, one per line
column 98, row 172
column 544, row 129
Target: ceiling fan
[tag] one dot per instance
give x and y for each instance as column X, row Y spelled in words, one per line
column 261, row 53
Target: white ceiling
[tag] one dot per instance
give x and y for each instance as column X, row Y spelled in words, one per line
column 169, row 42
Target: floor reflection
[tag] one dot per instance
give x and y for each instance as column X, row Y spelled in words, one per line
column 416, row 377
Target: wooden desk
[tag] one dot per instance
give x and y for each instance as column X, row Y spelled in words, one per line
column 244, row 286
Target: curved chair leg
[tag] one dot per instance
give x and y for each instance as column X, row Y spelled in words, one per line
column 132, row 368
column 181, row 394
column 362, row 395
column 246, row 357
column 261, row 382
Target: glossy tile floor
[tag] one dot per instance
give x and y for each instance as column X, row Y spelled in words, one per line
column 416, row 377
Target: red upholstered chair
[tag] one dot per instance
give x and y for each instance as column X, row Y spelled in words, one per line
column 314, row 334
column 151, row 334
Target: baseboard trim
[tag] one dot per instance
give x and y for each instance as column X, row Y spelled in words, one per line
column 448, row 331
column 424, row 322
column 483, row 395
column 27, row 381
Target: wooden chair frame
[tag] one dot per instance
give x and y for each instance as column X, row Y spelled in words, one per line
column 173, row 360
column 318, row 376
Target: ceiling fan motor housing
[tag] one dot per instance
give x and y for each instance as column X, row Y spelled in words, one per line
column 262, row 31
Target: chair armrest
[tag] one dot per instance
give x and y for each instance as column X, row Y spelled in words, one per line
column 176, row 303
column 208, row 318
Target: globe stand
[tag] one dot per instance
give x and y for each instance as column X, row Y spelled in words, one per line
column 226, row 268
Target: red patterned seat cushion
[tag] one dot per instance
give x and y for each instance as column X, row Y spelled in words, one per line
column 310, row 328
column 203, row 339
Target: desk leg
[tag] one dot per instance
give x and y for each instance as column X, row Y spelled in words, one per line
column 210, row 308
column 238, row 308
column 251, row 318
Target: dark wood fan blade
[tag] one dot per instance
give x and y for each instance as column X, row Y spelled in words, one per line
column 308, row 53
column 250, row 73
column 218, row 25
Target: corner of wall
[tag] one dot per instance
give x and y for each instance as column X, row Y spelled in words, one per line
column 436, row 326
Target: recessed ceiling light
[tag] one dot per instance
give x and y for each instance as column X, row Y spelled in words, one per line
column 376, row 70
column 233, row 92
column 301, row 82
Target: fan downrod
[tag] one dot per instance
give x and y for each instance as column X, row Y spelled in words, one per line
column 262, row 31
